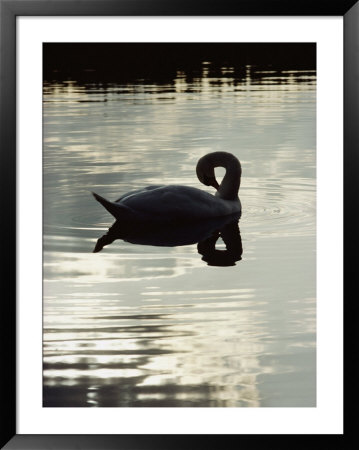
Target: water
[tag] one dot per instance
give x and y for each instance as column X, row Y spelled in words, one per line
column 141, row 325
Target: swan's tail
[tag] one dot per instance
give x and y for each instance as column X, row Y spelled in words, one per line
column 118, row 211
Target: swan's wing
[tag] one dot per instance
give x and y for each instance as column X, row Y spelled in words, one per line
column 138, row 191
column 176, row 202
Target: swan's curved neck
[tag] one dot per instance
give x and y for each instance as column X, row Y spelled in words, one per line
column 228, row 189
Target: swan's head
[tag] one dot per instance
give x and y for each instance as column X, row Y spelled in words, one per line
column 228, row 189
column 205, row 172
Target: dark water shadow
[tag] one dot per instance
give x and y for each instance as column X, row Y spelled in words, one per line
column 204, row 233
column 160, row 63
column 132, row 392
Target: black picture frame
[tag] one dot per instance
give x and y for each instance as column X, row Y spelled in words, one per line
column 9, row 10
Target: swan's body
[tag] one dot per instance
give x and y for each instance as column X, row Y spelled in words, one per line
column 173, row 203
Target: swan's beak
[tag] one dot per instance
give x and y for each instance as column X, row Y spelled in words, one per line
column 210, row 181
column 213, row 183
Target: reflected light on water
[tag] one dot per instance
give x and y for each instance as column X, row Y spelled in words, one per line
column 143, row 325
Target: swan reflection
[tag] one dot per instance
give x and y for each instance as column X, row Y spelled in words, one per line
column 203, row 233
column 231, row 237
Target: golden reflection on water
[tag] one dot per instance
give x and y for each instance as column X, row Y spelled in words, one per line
column 139, row 325
column 163, row 344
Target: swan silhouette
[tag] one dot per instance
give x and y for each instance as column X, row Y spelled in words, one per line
column 176, row 203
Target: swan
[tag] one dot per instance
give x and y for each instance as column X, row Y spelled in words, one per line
column 174, row 202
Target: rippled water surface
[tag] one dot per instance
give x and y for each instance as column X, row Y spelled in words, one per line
column 142, row 325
